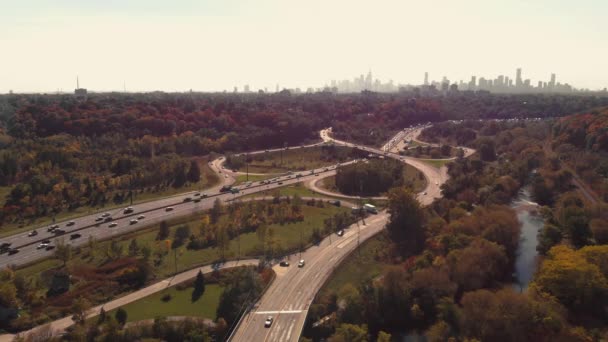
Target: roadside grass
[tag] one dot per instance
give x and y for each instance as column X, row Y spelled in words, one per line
column 209, row 179
column 240, row 179
column 288, row 236
column 296, row 159
column 437, row 163
column 180, row 304
column 361, row 266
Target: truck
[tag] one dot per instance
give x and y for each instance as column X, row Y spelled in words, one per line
column 370, row 208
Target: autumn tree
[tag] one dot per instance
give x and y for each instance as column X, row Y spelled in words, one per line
column 350, row 333
column 478, row 265
column 80, row 309
column 63, row 252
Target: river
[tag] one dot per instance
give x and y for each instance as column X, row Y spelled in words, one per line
column 526, row 261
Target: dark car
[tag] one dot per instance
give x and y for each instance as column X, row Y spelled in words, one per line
column 50, row 247
column 59, row 231
column 5, row 245
column 108, row 219
column 187, row 199
column 32, row 233
column 284, row 263
column 13, row 251
column 75, row 236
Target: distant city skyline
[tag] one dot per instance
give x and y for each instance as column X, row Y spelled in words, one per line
column 207, row 45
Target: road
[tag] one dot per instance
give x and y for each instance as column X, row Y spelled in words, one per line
column 291, row 294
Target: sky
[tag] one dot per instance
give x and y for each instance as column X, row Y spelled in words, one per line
column 178, row 45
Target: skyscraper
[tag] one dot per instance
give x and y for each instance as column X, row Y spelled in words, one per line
column 518, row 80
column 426, row 78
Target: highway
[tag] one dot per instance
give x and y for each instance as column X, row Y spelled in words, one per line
column 289, row 297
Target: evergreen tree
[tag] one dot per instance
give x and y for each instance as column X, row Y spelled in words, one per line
column 194, row 173
column 199, row 286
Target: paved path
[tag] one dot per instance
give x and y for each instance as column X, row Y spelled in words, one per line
column 63, row 323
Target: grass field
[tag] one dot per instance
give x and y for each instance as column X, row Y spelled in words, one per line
column 240, row 179
column 438, row 163
column 208, row 179
column 361, row 266
column 298, row 159
column 181, row 304
column 288, row 236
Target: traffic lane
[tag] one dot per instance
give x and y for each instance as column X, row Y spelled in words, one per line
column 292, row 292
column 29, row 253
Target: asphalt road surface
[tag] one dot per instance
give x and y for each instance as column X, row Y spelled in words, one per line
column 289, row 297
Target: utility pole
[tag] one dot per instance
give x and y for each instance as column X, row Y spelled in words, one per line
column 301, row 244
column 247, row 165
column 175, row 254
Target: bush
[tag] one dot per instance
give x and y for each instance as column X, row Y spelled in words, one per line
column 166, row 297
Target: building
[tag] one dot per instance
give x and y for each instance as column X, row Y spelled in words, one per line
column 80, row 93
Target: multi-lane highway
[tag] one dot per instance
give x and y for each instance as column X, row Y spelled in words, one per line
column 289, row 297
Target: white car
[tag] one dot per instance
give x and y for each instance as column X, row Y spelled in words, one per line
column 301, row 263
column 268, row 322
column 133, row 221
column 42, row 245
column 113, row 224
column 340, row 232
column 105, row 215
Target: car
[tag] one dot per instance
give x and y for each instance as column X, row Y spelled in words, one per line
column 58, row 231
column 75, row 236
column 424, row 193
column 204, row 195
column 284, row 263
column 169, row 209
column 197, row 194
column 301, row 263
column 133, row 221
column 316, row 174
column 98, row 219
column 340, row 232
column 268, row 322
column 107, row 219
column 50, row 247
column 113, row 224
column 42, row 245
column 5, row 245
column 280, row 183
column 50, row 229
column 71, row 223
column 187, row 199
column 197, row 200
column 141, row 217
column 32, row 233
column 13, row 251
column 127, row 210
column 105, row 215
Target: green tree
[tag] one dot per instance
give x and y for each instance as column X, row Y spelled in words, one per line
column 216, row 211
column 80, row 309
column 133, row 248
column 194, row 173
column 350, row 333
column 121, row 316
column 549, row 236
column 405, row 224
column 163, row 231
column 222, row 240
column 102, row 316
column 199, row 286
column 63, row 251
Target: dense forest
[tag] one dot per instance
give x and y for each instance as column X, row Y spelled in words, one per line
column 446, row 270
column 59, row 153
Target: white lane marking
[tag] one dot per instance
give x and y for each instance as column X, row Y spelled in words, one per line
column 278, row 312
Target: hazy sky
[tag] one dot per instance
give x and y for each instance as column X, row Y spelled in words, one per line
column 215, row 45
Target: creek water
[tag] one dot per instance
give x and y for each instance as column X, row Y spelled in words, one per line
column 526, row 261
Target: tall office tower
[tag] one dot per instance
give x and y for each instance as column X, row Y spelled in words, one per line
column 426, row 78
column 540, row 85
column 246, row 88
column 276, row 89
column 368, row 80
column 552, row 82
column 473, row 83
column 518, row 81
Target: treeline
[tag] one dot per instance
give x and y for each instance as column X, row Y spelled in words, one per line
column 52, row 143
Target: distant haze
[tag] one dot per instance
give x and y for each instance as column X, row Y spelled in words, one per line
column 216, row 45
